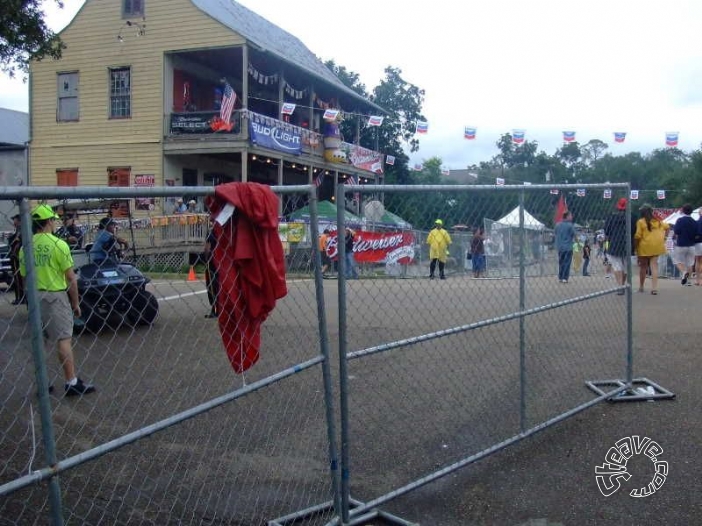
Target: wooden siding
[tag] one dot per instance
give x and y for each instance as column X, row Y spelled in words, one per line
column 95, row 141
column 93, row 161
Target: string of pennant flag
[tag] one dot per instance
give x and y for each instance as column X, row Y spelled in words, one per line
column 606, row 194
column 519, row 136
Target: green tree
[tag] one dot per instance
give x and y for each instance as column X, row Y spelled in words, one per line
column 24, row 36
column 593, row 150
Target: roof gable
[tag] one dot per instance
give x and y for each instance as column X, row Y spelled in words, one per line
column 269, row 37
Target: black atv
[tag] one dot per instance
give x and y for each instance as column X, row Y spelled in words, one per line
column 113, row 294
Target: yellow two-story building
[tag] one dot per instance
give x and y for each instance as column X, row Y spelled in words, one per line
column 190, row 93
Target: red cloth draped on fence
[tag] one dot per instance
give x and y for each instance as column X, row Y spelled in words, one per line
column 250, row 265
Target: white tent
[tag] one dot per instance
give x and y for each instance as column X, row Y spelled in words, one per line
column 512, row 220
column 672, row 218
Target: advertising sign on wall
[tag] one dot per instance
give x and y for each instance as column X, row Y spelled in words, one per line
column 275, row 135
column 145, row 181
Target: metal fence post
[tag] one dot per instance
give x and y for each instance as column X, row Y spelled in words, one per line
column 629, row 302
column 522, row 321
column 41, row 376
column 326, row 368
column 343, row 365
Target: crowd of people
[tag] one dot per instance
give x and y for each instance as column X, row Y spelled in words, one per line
column 648, row 235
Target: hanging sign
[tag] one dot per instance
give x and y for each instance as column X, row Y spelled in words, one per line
column 276, row 135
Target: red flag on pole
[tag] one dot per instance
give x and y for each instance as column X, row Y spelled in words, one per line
column 561, row 208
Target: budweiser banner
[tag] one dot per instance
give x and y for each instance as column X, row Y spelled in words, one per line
column 378, row 247
column 366, row 159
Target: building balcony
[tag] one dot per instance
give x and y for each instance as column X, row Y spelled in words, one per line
column 203, row 132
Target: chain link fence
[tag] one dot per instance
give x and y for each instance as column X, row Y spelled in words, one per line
column 476, row 342
column 446, row 354
column 172, row 434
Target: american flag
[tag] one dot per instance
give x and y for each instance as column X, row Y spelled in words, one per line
column 418, row 167
column 607, row 193
column 318, row 180
column 554, row 191
column 568, row 136
column 469, row 133
column 619, row 137
column 375, row 120
column 499, row 181
column 390, row 160
column 634, row 195
column 422, row 127
column 660, row 194
column 228, row 101
column 671, row 139
column 580, row 192
column 352, row 180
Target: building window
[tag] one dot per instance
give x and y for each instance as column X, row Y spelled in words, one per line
column 120, row 93
column 67, row 104
column 133, row 8
column 67, row 177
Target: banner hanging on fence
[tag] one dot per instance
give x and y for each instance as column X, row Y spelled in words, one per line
column 378, row 247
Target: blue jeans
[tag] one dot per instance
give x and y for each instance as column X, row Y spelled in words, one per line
column 351, row 272
column 565, row 259
column 586, row 264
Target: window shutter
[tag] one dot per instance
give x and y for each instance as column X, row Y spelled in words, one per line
column 67, row 177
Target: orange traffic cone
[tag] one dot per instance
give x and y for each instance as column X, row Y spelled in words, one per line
column 191, row 274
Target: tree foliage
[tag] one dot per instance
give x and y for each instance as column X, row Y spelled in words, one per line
column 24, row 36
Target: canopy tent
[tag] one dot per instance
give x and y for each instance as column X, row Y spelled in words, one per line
column 672, row 218
column 505, row 240
column 393, row 220
column 326, row 212
column 512, row 220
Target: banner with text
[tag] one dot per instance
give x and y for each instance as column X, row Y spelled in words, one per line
column 274, row 134
column 378, row 247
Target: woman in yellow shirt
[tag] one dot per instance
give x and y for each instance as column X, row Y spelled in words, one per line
column 650, row 243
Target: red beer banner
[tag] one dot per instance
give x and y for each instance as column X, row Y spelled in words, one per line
column 378, row 247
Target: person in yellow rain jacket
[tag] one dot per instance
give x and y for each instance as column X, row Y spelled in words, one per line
column 438, row 241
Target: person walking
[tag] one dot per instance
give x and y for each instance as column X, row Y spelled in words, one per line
column 351, row 272
column 211, row 277
column 685, row 235
column 577, row 254
column 616, row 241
column 15, row 244
column 438, row 241
column 650, row 243
column 477, row 250
column 55, row 278
column 564, row 234
column 586, row 258
column 324, row 257
column 698, row 253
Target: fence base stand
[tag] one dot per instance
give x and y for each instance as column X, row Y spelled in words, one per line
column 641, row 389
column 295, row 518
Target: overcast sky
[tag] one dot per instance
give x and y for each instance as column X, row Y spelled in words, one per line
column 545, row 66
